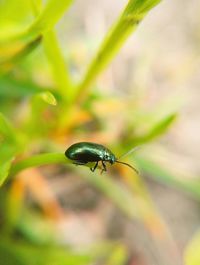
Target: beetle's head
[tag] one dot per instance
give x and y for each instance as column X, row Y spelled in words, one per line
column 108, row 156
column 112, row 159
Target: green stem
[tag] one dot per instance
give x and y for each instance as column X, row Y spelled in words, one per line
column 39, row 160
column 45, row 21
column 162, row 175
column 125, row 25
column 55, row 57
column 59, row 68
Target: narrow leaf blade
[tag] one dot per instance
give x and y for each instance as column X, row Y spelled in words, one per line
column 4, row 171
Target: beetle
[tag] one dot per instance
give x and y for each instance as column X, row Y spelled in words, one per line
column 83, row 152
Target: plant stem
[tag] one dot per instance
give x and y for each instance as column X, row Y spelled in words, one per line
column 55, row 57
column 162, row 175
column 59, row 68
column 124, row 26
column 39, row 160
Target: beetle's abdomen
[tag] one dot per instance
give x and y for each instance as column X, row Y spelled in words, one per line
column 83, row 155
column 85, row 152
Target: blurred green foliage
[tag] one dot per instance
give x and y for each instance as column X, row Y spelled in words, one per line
column 20, row 253
column 39, row 117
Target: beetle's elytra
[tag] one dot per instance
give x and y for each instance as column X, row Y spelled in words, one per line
column 83, row 152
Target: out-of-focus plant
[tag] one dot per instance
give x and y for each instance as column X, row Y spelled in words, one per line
column 38, row 122
column 191, row 255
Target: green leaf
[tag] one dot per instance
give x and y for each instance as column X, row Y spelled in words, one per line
column 6, row 129
column 18, row 253
column 47, row 97
column 11, row 88
column 9, row 60
column 4, row 170
column 55, row 57
column 59, row 68
column 118, row 256
column 163, row 175
column 192, row 251
column 161, row 127
column 125, row 25
column 9, row 256
column 14, row 14
column 48, row 17
column 122, row 198
column 8, row 147
column 39, row 160
column 45, row 21
column 158, row 129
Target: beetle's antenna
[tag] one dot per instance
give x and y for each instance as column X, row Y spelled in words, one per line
column 130, row 151
column 128, row 166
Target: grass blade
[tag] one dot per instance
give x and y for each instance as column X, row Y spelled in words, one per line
column 6, row 129
column 192, row 251
column 44, row 22
column 4, row 171
column 7, row 63
column 9, row 147
column 157, row 130
column 59, row 69
column 49, row 16
column 126, row 24
column 122, row 198
column 55, row 57
column 162, row 175
column 47, row 97
column 39, row 160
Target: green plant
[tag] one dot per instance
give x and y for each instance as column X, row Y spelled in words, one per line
column 27, row 141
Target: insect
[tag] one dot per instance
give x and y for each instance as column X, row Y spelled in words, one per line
column 84, row 152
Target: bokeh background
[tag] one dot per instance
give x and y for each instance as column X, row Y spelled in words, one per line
column 146, row 96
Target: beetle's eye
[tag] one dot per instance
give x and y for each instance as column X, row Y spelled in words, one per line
column 106, row 156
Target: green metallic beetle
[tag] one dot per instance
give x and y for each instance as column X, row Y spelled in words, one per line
column 83, row 152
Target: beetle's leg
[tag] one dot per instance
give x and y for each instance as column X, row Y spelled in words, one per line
column 104, row 167
column 93, row 168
